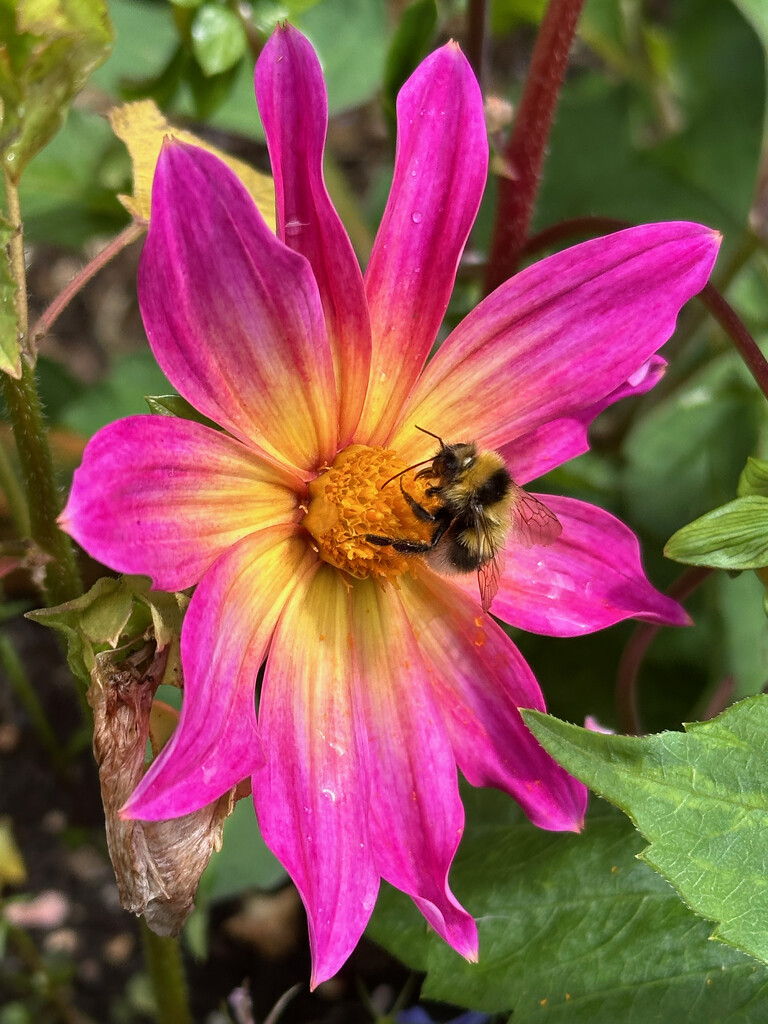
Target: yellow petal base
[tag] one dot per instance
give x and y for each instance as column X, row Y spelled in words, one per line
column 358, row 496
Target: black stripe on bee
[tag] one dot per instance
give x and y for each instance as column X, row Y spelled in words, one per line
column 494, row 488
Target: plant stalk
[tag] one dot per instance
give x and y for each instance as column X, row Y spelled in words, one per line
column 477, row 38
column 528, row 142
column 163, row 959
column 62, row 578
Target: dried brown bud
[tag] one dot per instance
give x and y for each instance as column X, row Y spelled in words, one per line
column 157, row 864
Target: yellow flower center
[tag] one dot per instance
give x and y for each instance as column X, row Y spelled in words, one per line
column 353, row 499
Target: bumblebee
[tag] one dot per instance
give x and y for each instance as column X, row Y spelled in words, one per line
column 478, row 507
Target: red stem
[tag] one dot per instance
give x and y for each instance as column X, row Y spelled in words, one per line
column 527, row 144
column 743, row 341
column 477, row 12
column 634, row 652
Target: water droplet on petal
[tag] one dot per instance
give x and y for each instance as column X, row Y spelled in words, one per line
column 416, row 217
column 329, row 795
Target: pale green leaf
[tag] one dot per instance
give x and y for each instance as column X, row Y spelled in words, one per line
column 48, row 49
column 754, row 479
column 700, row 798
column 89, row 623
column 734, row 536
column 218, row 38
column 10, row 347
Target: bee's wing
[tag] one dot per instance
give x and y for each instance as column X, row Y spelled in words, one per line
column 532, row 522
column 488, row 578
column 489, row 573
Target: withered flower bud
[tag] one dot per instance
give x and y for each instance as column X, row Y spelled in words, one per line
column 157, row 864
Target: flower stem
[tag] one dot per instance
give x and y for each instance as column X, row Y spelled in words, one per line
column 635, row 651
column 477, row 16
column 163, row 958
column 527, row 144
column 62, row 579
column 742, row 340
column 63, row 299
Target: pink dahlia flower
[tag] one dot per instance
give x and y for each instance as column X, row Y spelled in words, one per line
column 380, row 676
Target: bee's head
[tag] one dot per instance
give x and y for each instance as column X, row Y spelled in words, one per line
column 453, row 460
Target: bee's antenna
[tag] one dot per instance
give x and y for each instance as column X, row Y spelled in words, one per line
column 436, row 436
column 406, row 470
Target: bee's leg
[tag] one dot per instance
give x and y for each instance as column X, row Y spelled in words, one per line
column 406, row 547
column 418, row 510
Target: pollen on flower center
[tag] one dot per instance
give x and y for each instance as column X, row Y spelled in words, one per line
column 352, row 499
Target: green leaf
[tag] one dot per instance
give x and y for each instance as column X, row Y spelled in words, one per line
column 175, row 405
column 756, row 13
column 736, row 646
column 681, row 459
column 753, row 479
column 218, row 38
column 68, row 190
column 409, row 46
column 734, row 536
column 244, row 860
column 115, row 612
column 573, row 928
column 10, row 346
column 146, row 40
column 49, row 49
column 121, row 394
column 353, row 72
column 699, row 798
column 91, row 622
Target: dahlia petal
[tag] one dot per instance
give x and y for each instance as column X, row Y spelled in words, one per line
column 589, row 578
column 164, row 497
column 233, row 316
column 224, row 641
column 440, row 172
column 417, row 817
column 558, row 337
column 553, row 443
column 294, row 110
column 312, row 795
column 480, row 680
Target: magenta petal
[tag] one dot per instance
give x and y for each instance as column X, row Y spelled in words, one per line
column 226, row 631
column 558, row 337
column 312, row 795
column 589, row 578
column 440, row 170
column 417, row 817
column 553, row 443
column 233, row 316
column 294, row 109
column 164, row 497
column 480, row 681
column 224, row 640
